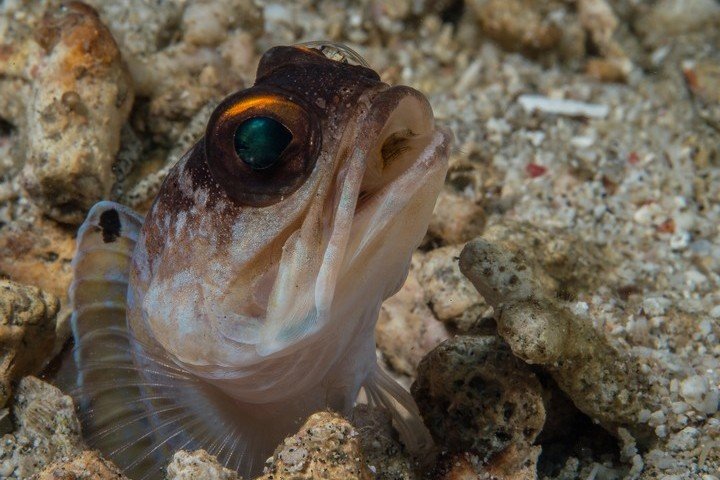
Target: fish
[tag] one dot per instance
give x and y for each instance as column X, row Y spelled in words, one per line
column 246, row 298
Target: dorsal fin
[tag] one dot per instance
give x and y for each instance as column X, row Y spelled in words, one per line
column 101, row 267
column 101, row 375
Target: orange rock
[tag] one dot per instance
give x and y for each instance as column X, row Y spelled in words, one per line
column 27, row 332
column 88, row 465
column 325, row 447
column 607, row 69
column 38, row 252
column 81, row 97
column 511, row 465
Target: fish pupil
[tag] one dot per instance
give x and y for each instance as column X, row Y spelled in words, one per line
column 259, row 142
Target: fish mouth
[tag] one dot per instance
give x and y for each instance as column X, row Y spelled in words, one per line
column 378, row 207
column 414, row 157
column 408, row 159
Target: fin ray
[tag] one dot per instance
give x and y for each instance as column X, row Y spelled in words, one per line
column 383, row 390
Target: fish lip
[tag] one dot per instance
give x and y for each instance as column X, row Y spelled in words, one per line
column 431, row 159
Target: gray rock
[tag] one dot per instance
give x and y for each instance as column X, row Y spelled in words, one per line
column 196, row 465
column 603, row 381
column 475, row 396
column 47, row 430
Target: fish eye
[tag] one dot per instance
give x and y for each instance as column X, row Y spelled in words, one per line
column 261, row 146
column 260, row 142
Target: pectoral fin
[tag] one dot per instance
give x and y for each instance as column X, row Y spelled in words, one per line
column 383, row 391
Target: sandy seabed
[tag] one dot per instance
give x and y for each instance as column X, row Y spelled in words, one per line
column 587, row 161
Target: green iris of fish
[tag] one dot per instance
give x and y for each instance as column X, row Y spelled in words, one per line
column 259, row 142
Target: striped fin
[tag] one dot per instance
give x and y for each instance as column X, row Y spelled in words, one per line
column 101, row 267
column 102, row 376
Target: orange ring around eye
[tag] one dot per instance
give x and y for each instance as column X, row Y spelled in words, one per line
column 264, row 101
column 267, row 186
column 289, row 111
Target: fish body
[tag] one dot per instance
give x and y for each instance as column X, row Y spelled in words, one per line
column 247, row 297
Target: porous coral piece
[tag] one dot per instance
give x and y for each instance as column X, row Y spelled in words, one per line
column 27, row 332
column 449, row 294
column 384, row 455
column 326, row 447
column 81, row 96
column 196, row 465
column 47, row 430
column 37, row 251
column 562, row 264
column 18, row 20
column 89, row 465
column 602, row 381
column 507, row 466
column 475, row 396
column 407, row 329
column 456, row 219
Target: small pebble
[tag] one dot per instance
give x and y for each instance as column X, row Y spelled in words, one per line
column 657, row 418
column 700, row 394
column 684, row 440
